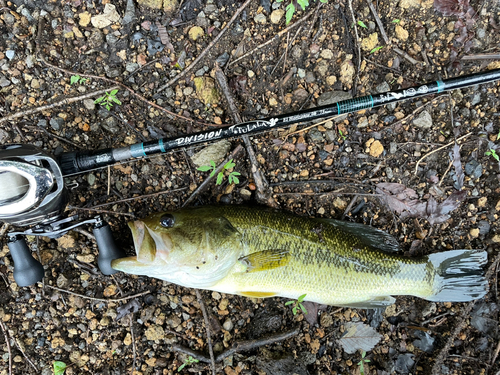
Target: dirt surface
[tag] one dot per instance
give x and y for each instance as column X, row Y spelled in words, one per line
column 332, row 169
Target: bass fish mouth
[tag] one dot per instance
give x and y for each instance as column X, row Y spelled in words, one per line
column 149, row 244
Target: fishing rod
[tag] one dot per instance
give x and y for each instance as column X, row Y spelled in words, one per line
column 76, row 162
column 32, row 190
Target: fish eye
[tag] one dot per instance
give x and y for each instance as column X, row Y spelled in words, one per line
column 167, row 221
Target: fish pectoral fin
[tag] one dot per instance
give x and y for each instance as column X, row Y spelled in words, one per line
column 257, row 294
column 369, row 236
column 374, row 303
column 265, row 260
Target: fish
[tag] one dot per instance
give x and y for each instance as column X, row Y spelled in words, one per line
column 260, row 252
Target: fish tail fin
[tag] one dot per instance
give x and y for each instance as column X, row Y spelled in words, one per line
column 459, row 276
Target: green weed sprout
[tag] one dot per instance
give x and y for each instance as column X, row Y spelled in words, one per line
column 189, row 361
column 492, row 152
column 59, row 367
column 232, row 177
column 290, row 8
column 107, row 99
column 362, row 24
column 376, row 49
column 341, row 133
column 361, row 363
column 77, row 79
column 298, row 304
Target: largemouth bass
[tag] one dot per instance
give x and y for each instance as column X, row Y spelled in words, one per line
column 260, row 252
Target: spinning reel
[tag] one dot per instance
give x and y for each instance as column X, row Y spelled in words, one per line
column 33, row 194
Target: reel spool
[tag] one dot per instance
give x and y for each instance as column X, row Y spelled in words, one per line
column 32, row 193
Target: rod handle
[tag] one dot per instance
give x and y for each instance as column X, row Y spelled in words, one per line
column 108, row 250
column 27, row 270
column 81, row 161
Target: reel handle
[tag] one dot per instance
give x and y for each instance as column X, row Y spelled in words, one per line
column 27, row 270
column 108, row 250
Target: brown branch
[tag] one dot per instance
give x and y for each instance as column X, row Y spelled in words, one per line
column 139, row 197
column 207, row 181
column 276, row 37
column 207, row 326
column 65, row 101
column 378, row 22
column 18, row 344
column 264, row 193
column 6, row 335
column 205, row 51
column 239, row 346
column 98, row 299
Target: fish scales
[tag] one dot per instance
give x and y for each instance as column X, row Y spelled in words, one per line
column 261, row 252
column 344, row 275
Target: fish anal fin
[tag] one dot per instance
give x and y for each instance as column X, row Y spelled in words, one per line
column 265, row 260
column 369, row 236
column 374, row 303
column 258, row 294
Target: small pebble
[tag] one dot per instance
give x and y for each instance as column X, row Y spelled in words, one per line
column 228, row 325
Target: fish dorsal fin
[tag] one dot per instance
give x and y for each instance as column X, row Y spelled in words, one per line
column 369, row 236
column 265, row 260
column 257, row 294
column 374, row 303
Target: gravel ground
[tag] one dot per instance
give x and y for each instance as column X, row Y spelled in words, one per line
column 126, row 324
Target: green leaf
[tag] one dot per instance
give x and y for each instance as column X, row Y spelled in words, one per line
column 212, row 173
column 289, row 303
column 324, row 1
column 113, row 92
column 229, row 164
column 98, row 100
column 362, row 24
column 498, row 136
column 204, row 168
column 396, row 21
column 115, row 99
column 220, row 177
column 59, row 367
column 233, row 179
column 303, row 308
column 212, row 163
column 376, row 49
column 301, row 298
column 488, row 153
column 74, row 79
column 303, row 3
column 181, row 367
column 290, row 10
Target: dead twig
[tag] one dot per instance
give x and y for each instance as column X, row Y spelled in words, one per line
column 207, row 326
column 264, row 194
column 276, row 37
column 205, row 51
column 357, row 44
column 207, row 181
column 462, row 322
column 65, row 101
column 133, row 342
column 315, row 18
column 440, row 148
column 6, row 335
column 240, row 346
column 378, row 22
column 98, row 299
column 20, row 347
column 139, row 197
column 100, row 211
column 406, row 56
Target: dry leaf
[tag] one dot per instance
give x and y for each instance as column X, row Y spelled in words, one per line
column 359, row 336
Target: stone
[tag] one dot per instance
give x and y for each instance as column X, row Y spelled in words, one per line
column 401, row 33
column 84, row 19
column 228, row 325
column 376, row 148
column 260, row 18
column 10, row 54
column 154, row 333
column 56, row 123
column 170, row 6
column 4, row 82
column 195, row 32
column 327, row 54
column 473, row 169
column 347, row 72
column 215, row 152
column 108, row 16
column 89, row 104
column 277, row 15
column 206, row 90
column 424, row 120
column 369, row 43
